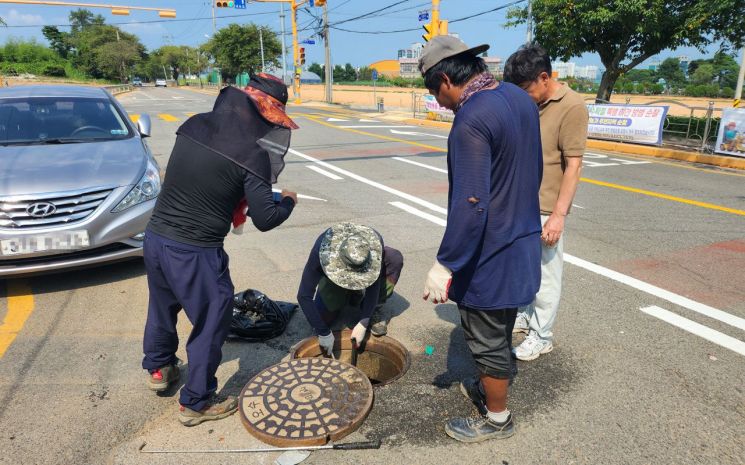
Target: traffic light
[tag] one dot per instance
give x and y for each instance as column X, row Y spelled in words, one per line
column 428, row 29
column 228, row 4
column 301, row 51
column 317, row 2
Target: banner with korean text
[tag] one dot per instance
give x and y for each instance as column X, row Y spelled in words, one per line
column 638, row 124
column 731, row 137
column 435, row 111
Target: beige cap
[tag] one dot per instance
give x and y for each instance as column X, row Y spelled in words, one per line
column 441, row 47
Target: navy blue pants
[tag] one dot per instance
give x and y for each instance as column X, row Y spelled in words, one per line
column 195, row 279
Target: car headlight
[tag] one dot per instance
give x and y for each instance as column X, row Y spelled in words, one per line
column 146, row 189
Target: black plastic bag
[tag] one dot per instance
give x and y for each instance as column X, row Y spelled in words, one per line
column 257, row 318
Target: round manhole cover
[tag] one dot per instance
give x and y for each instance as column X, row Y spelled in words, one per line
column 305, row 402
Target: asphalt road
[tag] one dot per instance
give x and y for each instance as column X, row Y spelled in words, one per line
column 649, row 359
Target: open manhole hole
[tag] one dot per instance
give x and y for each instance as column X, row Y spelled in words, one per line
column 383, row 359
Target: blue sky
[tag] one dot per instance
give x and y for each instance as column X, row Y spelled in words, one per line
column 358, row 49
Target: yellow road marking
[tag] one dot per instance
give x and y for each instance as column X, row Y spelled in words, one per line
column 365, row 133
column 659, row 195
column 167, row 117
column 134, row 118
column 20, row 306
column 190, row 114
column 672, row 198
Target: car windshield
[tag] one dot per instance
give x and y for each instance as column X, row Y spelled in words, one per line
column 59, row 120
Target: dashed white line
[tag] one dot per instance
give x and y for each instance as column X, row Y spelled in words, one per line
column 412, row 162
column 419, row 213
column 369, row 182
column 698, row 329
column 324, row 172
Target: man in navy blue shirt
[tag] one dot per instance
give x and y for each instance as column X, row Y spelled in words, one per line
column 490, row 256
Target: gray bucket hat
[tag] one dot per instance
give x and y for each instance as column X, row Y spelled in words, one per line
column 441, row 47
column 351, row 255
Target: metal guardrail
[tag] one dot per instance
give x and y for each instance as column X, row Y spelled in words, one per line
column 118, row 89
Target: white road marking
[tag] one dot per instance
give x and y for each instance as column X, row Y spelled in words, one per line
column 700, row 330
column 577, row 206
column 301, row 196
column 671, row 297
column 324, row 172
column 640, row 285
column 177, row 98
column 368, row 121
column 433, row 168
column 373, row 126
column 631, row 162
column 412, row 133
column 419, row 213
column 594, row 164
column 336, row 119
column 369, row 182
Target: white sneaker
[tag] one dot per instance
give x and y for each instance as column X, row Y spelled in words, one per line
column 521, row 323
column 532, row 347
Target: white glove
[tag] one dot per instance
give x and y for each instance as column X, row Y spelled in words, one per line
column 359, row 331
column 327, row 344
column 437, row 285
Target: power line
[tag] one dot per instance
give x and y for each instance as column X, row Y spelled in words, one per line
column 362, row 16
column 148, row 22
column 464, row 18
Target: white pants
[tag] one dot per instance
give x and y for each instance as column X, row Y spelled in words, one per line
column 542, row 312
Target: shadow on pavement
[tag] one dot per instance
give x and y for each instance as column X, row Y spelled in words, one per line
column 87, row 277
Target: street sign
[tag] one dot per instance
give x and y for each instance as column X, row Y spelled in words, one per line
column 240, row 4
column 424, row 15
column 375, row 75
column 309, row 42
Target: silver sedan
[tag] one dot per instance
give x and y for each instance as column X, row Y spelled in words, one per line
column 77, row 180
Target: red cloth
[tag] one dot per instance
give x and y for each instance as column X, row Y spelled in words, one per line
column 239, row 214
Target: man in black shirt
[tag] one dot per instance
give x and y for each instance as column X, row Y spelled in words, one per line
column 232, row 153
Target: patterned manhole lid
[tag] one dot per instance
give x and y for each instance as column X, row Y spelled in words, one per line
column 305, row 402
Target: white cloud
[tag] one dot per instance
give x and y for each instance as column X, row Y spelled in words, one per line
column 15, row 18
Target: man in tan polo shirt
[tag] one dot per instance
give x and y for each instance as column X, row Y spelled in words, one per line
column 564, row 117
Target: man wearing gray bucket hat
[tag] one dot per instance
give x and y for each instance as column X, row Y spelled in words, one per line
column 348, row 266
column 489, row 258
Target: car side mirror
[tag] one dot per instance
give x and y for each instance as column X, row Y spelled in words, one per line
column 144, row 125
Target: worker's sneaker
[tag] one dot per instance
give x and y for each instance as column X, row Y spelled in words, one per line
column 533, row 347
column 479, row 429
column 521, row 323
column 162, row 378
column 218, row 407
column 471, row 388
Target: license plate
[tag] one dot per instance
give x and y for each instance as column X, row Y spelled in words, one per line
column 68, row 240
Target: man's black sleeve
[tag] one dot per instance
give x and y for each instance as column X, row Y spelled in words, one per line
column 265, row 214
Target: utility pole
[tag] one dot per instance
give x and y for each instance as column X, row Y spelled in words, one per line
column 435, row 18
column 261, row 45
column 295, row 53
column 284, row 44
column 740, row 79
column 214, row 23
column 329, row 75
column 529, row 35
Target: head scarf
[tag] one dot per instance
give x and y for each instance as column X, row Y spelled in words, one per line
column 239, row 130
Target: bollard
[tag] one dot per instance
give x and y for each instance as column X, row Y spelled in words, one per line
column 380, row 105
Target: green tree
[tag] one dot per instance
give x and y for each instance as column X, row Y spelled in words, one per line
column 81, row 19
column 116, row 59
column 625, row 33
column 318, row 69
column 704, row 74
column 670, row 71
column 177, row 60
column 365, row 74
column 339, row 74
column 350, row 73
column 59, row 41
column 236, row 49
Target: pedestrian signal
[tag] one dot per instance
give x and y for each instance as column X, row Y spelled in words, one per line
column 429, row 32
column 221, row 4
column 301, row 51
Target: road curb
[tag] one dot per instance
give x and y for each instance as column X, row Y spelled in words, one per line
column 632, row 149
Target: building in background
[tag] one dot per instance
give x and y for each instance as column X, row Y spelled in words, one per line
column 415, row 51
column 563, row 70
column 409, row 67
column 684, row 62
column 388, row 68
